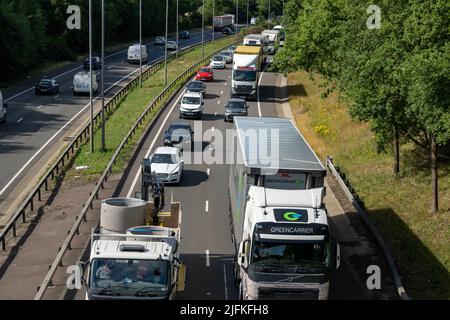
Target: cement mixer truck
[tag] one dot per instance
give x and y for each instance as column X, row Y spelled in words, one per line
column 133, row 258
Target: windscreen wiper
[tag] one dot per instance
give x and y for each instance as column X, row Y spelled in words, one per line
column 146, row 292
column 109, row 291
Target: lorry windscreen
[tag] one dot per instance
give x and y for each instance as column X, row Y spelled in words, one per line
column 290, row 256
column 125, row 277
column 244, row 75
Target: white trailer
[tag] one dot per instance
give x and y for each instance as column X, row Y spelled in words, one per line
column 283, row 248
column 274, row 40
column 3, row 108
column 258, row 40
column 132, row 259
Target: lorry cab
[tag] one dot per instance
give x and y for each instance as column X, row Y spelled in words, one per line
column 258, row 40
column 3, row 108
column 134, row 53
column 274, row 40
column 286, row 252
column 247, row 61
column 82, row 83
column 132, row 259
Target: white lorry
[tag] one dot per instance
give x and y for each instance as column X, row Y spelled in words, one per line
column 130, row 259
column 134, row 53
column 3, row 108
column 82, row 83
column 283, row 248
column 274, row 40
column 247, row 64
column 258, row 40
column 222, row 22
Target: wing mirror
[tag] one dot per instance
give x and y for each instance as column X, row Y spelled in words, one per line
column 243, row 254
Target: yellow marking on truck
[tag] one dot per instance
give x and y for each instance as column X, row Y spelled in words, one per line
column 250, row 50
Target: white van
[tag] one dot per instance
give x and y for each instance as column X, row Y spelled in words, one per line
column 134, row 53
column 191, row 105
column 81, row 83
column 3, row 109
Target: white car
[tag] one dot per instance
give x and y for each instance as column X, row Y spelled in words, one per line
column 160, row 40
column 168, row 164
column 191, row 105
column 172, row 45
column 218, row 62
column 82, row 84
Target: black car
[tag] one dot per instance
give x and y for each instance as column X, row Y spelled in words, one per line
column 47, row 86
column 96, row 63
column 196, row 86
column 235, row 107
column 177, row 134
column 185, row 35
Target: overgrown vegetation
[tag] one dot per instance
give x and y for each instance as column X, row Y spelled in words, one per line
column 419, row 241
column 396, row 76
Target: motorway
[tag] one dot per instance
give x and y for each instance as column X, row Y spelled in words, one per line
column 207, row 248
column 35, row 123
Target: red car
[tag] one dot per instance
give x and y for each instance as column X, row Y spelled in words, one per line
column 205, row 74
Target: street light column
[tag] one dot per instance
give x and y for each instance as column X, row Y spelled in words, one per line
column 203, row 29
column 177, row 35
column 91, row 125
column 103, row 77
column 165, row 43
column 140, row 40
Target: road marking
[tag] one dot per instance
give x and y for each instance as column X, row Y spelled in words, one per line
column 225, row 282
column 221, row 92
column 20, row 120
column 206, row 206
column 215, row 114
column 259, row 86
column 133, row 185
column 71, row 70
column 55, row 135
column 225, row 84
column 56, row 97
column 67, row 124
column 212, row 129
column 208, row 171
column 39, row 107
column 207, row 258
column 218, row 101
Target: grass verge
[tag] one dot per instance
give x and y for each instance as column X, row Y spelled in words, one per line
column 418, row 240
column 126, row 114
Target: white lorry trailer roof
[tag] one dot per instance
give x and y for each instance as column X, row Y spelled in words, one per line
column 311, row 198
column 294, row 153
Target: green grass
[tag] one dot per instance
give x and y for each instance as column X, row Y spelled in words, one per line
column 419, row 241
column 126, row 114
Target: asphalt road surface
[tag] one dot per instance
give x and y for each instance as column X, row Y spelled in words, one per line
column 34, row 123
column 206, row 247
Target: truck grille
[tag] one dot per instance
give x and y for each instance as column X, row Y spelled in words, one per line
column 288, row 294
column 244, row 89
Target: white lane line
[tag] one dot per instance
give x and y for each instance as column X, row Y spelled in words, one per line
column 207, row 258
column 20, row 120
column 215, row 114
column 206, row 206
column 225, row 282
column 138, row 173
column 259, row 86
column 39, row 107
column 221, row 92
column 225, row 84
column 218, row 101
column 208, row 171
column 55, row 135
column 76, row 68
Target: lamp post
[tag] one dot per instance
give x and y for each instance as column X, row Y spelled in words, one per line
column 268, row 19
column 213, row 13
column 248, row 4
column 165, row 43
column 237, row 17
column 177, row 35
column 203, row 29
column 91, row 125
column 103, row 77
column 140, row 40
